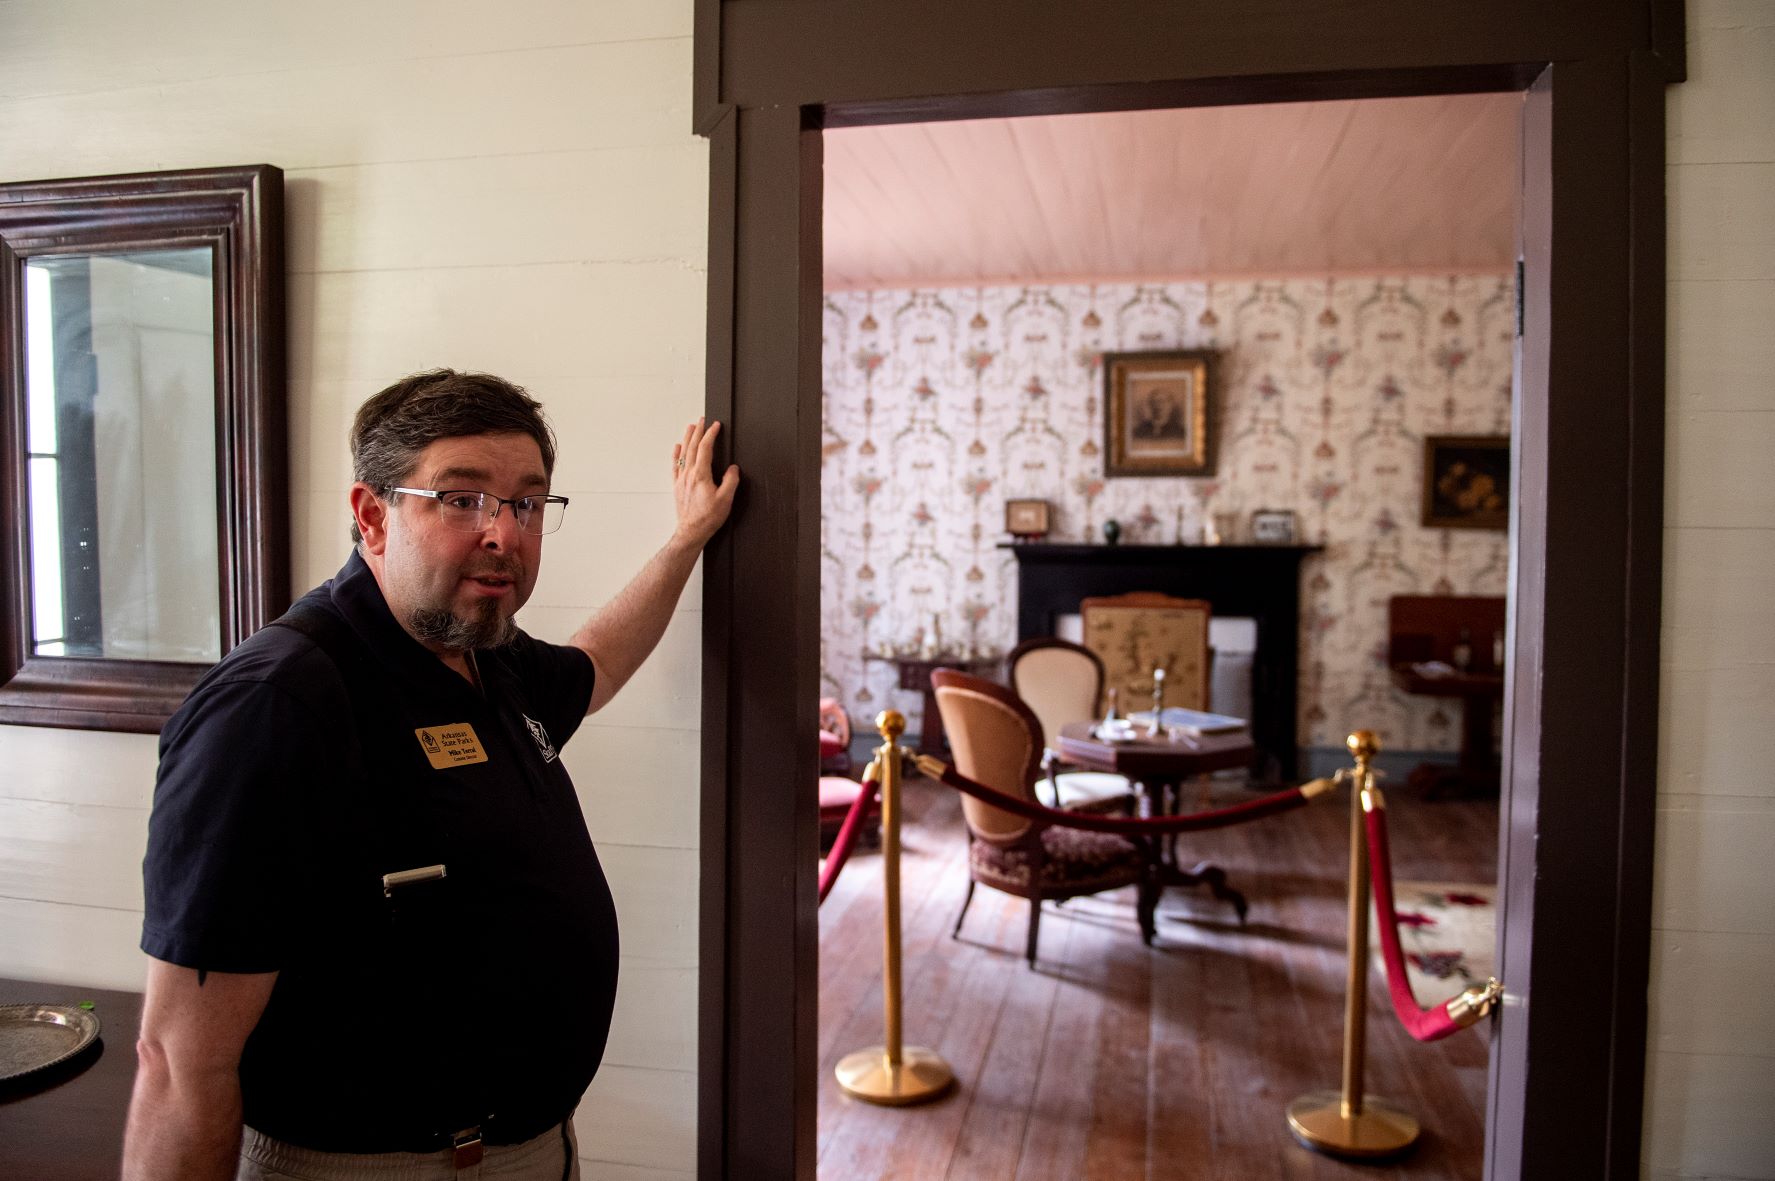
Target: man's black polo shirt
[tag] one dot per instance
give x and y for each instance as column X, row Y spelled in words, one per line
column 295, row 776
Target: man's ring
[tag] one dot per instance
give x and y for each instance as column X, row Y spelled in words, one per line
column 679, row 464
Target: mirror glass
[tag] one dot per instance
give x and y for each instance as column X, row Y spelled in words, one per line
column 121, row 452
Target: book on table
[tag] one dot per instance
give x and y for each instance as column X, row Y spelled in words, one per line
column 1194, row 722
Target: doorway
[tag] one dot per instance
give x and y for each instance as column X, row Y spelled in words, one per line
column 975, row 274
column 1581, row 714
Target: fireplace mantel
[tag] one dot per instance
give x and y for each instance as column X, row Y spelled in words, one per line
column 1261, row 582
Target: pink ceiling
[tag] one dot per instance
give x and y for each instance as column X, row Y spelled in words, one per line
column 1412, row 184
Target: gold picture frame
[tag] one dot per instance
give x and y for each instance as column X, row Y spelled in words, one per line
column 1158, row 413
column 1467, row 482
column 1028, row 518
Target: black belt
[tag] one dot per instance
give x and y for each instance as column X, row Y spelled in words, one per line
column 496, row 1131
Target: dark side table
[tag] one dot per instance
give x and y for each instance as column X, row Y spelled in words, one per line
column 66, row 1123
column 1479, row 693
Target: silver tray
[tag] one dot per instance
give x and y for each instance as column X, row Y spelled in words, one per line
column 36, row 1037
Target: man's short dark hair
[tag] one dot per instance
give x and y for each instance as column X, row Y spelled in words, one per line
column 395, row 426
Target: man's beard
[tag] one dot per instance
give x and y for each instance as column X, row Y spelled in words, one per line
column 481, row 627
column 446, row 629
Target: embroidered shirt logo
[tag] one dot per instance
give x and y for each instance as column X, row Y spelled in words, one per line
column 542, row 739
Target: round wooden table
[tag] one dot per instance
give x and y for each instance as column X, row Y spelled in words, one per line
column 1159, row 767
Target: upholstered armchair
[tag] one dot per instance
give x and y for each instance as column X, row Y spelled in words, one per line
column 837, row 789
column 994, row 738
column 1062, row 682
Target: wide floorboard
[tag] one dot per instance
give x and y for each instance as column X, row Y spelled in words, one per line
column 1111, row 1060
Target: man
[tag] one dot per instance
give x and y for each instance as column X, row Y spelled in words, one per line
column 380, row 935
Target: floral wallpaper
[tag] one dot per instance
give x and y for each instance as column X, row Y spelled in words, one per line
column 941, row 404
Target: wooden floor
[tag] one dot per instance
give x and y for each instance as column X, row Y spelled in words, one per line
column 1113, row 1061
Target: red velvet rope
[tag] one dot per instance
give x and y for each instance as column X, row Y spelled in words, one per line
column 1426, row 1025
column 847, row 836
column 1270, row 805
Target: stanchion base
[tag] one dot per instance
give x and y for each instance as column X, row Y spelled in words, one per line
column 921, row 1075
column 1381, row 1129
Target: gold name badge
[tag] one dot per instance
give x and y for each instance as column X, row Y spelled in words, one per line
column 454, row 745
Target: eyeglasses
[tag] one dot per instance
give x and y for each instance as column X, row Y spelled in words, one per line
column 475, row 512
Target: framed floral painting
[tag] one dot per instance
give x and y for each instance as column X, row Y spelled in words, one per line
column 1467, row 482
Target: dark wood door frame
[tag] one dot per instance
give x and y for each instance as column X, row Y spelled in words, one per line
column 1568, row 1051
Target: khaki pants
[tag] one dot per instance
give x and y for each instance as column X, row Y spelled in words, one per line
column 552, row 1156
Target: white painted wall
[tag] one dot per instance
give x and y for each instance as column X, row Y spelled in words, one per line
column 514, row 187
column 511, row 187
column 1710, row 1079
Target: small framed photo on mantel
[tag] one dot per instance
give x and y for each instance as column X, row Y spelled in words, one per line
column 1158, row 413
column 1273, row 526
column 1029, row 520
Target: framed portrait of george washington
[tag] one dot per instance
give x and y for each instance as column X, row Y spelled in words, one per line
column 1158, row 413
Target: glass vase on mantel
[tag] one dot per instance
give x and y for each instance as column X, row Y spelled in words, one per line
column 1112, row 531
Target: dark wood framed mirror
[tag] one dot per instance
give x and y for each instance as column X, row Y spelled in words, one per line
column 142, row 438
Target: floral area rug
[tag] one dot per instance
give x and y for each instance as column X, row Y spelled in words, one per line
column 1449, row 934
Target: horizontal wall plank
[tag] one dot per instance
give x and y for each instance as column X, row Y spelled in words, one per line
column 639, row 1118
column 95, row 767
column 546, row 321
column 637, row 785
column 1716, row 469
column 1725, row 110
column 1714, row 736
column 1707, row 1117
column 1716, row 597
column 66, row 47
column 1709, row 993
column 320, row 538
column 666, row 693
column 605, row 541
column 1704, row 844
column 362, row 111
column 1721, row 350
column 1719, row 223
column 617, row 433
column 75, row 945
column 600, row 1170
column 82, row 854
column 648, row 201
column 655, row 1021
column 658, row 916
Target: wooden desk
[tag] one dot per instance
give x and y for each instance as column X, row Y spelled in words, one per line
column 1479, row 693
column 66, row 1123
column 1160, row 768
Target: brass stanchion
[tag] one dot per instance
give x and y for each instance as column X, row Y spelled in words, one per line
column 892, row 1074
column 1347, row 1122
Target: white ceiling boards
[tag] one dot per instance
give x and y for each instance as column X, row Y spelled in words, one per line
column 1310, row 188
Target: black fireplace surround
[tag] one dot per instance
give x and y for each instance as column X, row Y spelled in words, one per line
column 1261, row 582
